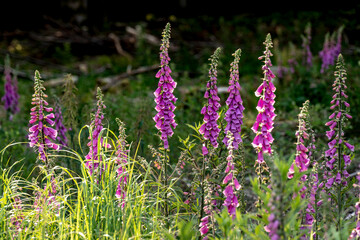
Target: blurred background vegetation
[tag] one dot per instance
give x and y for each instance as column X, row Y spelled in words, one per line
column 116, row 47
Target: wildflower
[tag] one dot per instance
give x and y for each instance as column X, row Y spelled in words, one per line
column 272, row 227
column 18, row 216
column 41, row 132
column 47, row 197
column 234, row 114
column 164, row 96
column 59, row 126
column 306, row 40
column 355, row 233
column 209, row 128
column 11, row 96
column 207, row 221
column 231, row 201
column 96, row 126
column 311, row 210
column 331, row 50
column 264, row 123
column 335, row 135
column 301, row 158
column 121, row 160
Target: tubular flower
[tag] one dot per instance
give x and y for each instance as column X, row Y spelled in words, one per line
column 234, row 115
column 59, row 126
column 96, row 126
column 331, row 50
column 231, row 201
column 301, row 159
column 355, row 233
column 264, row 123
column 207, row 222
column 311, row 212
column 40, row 132
column 164, row 96
column 273, row 227
column 334, row 155
column 307, row 55
column 121, row 160
column 209, row 128
column 11, row 96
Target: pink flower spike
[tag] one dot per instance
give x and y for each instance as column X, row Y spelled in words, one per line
column 164, row 96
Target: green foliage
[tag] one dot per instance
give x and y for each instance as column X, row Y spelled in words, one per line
column 90, row 210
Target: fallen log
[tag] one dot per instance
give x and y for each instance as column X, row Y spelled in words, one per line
column 113, row 81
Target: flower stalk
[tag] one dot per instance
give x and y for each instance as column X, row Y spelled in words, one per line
column 41, row 133
column 264, row 123
column 337, row 161
column 234, row 114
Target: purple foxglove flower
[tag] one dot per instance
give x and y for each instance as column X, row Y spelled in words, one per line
column 301, row 159
column 204, row 150
column 121, row 160
column 209, row 129
column 331, row 50
column 18, row 216
column 292, row 64
column 336, row 133
column 96, row 142
column 355, row 233
column 306, row 40
column 209, row 206
column 40, row 131
column 233, row 186
column 234, row 115
column 48, row 197
column 273, row 227
column 164, row 97
column 59, row 126
column 11, row 96
column 265, row 120
column 204, row 228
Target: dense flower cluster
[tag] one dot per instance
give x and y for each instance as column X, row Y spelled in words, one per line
column 231, row 200
column 331, row 50
column 210, row 128
column 11, row 96
column 164, row 96
column 96, row 141
column 121, row 160
column 334, row 154
column 264, row 123
column 234, row 115
column 40, row 131
column 307, row 55
column 301, row 158
column 206, row 222
column 59, row 126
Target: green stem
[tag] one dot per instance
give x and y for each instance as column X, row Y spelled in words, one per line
column 339, row 167
column 202, row 189
column 316, row 217
column 166, row 184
